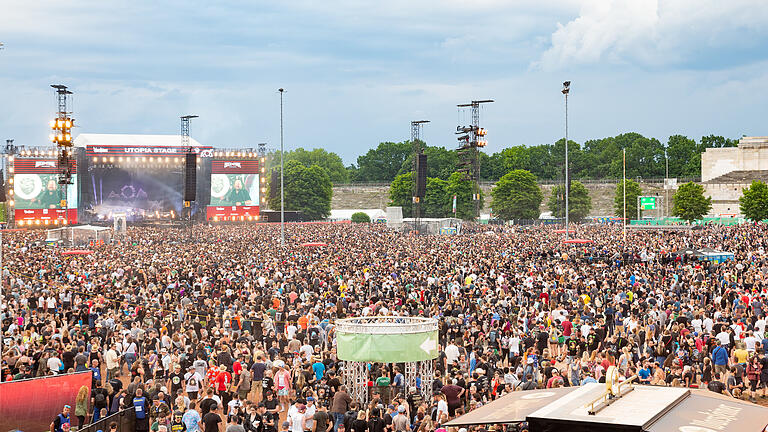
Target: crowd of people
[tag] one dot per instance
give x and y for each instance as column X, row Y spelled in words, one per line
column 225, row 331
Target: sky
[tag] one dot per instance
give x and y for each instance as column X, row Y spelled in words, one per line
column 356, row 73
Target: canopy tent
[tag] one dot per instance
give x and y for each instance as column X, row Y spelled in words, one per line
column 77, row 252
column 643, row 409
column 314, row 244
column 578, row 241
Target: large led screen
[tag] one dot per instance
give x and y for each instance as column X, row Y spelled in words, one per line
column 234, row 189
column 42, row 191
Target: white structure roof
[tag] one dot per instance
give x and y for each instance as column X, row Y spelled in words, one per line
column 346, row 214
column 83, row 140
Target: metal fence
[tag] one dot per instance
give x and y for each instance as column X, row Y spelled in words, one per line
column 543, row 182
column 125, row 419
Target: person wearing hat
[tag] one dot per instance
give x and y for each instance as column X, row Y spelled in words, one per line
column 400, row 422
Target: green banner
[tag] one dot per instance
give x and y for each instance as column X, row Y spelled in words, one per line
column 387, row 348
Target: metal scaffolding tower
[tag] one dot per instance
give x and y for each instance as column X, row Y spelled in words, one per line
column 471, row 139
column 417, row 149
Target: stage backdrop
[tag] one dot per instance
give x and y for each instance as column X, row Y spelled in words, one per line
column 30, row 405
column 235, row 187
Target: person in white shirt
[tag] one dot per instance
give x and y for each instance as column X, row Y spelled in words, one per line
column 696, row 323
column 750, row 341
column 451, row 353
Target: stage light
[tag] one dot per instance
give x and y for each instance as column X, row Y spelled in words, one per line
column 215, row 218
column 263, row 160
column 64, row 222
column 176, row 160
column 11, row 203
column 10, row 158
column 68, row 137
column 56, row 222
column 120, row 159
column 198, row 160
column 10, row 192
column 263, row 180
column 250, row 218
column 95, row 159
column 68, row 123
column 59, row 123
column 111, row 159
column 21, row 223
column 143, row 158
column 36, row 152
column 10, row 170
column 37, row 221
column 263, row 190
column 10, row 180
column 61, row 138
column 47, row 221
column 257, row 218
column 103, row 159
column 52, row 123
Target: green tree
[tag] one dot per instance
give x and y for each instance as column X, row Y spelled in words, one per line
column 690, row 202
column 463, row 188
column 437, row 202
column 384, row 162
column 306, row 189
column 440, row 162
column 517, row 196
column 754, row 201
column 680, row 151
column 633, row 191
column 401, row 193
column 360, row 217
column 579, row 201
column 331, row 162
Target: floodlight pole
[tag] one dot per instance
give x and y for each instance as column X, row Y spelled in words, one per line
column 566, row 90
column 282, row 194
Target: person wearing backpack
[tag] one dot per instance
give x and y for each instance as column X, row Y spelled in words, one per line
column 98, row 400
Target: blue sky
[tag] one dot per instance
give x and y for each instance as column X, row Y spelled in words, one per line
column 356, row 73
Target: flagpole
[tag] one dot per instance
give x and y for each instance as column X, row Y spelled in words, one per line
column 624, row 188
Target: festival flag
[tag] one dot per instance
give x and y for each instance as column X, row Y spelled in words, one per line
column 454, row 204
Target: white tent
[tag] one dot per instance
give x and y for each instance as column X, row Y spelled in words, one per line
column 346, row 214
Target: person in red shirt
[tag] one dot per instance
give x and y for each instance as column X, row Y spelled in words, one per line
column 221, row 384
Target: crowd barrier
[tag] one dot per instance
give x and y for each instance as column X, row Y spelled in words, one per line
column 32, row 404
column 125, row 419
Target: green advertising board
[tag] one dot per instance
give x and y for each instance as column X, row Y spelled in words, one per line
column 648, row 203
column 387, row 348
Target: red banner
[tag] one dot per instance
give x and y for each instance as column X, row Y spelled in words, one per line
column 31, row 405
column 30, row 217
column 221, row 213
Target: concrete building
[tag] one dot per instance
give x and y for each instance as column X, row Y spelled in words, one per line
column 725, row 172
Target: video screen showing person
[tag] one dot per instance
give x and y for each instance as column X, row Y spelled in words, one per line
column 234, row 189
column 42, row 191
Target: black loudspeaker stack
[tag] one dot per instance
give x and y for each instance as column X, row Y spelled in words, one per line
column 421, row 175
column 190, row 177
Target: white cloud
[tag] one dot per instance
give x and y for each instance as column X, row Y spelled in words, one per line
column 654, row 32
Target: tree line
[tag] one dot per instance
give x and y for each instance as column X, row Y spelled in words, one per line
column 594, row 159
column 392, row 162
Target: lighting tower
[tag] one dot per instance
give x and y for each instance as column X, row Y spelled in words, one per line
column 418, row 149
column 471, row 139
column 61, row 136
column 566, row 90
column 185, row 130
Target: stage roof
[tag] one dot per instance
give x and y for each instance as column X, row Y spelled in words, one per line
column 107, row 140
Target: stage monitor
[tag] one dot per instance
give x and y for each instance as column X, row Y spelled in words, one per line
column 37, row 195
column 235, row 190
